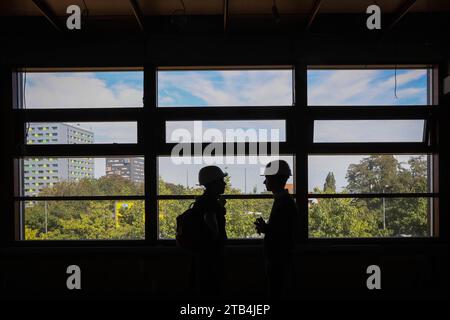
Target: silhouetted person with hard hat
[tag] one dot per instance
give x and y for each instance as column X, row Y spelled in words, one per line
column 208, row 256
column 279, row 239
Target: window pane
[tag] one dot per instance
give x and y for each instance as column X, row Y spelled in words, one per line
column 62, row 90
column 82, row 176
column 226, row 131
column 241, row 214
column 374, row 173
column 372, row 87
column 224, row 88
column 369, row 218
column 179, row 175
column 84, row 220
column 80, row 132
column 168, row 211
column 369, row 130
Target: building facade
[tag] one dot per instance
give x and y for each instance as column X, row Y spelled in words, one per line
column 39, row 173
column 129, row 168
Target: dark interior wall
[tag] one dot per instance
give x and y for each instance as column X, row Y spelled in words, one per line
column 321, row 272
column 409, row 270
column 333, row 39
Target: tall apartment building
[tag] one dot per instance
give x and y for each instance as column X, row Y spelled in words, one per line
column 129, row 168
column 39, row 173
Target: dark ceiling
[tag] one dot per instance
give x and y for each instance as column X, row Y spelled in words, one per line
column 29, row 18
column 216, row 7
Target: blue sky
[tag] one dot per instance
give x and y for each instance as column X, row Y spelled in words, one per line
column 325, row 87
column 84, row 90
column 367, row 87
column 240, row 88
column 225, row 88
column 127, row 78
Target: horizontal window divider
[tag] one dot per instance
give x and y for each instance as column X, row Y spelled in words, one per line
column 86, row 245
column 226, row 196
column 214, row 67
column 77, row 67
column 116, row 245
column 198, row 149
column 375, row 65
column 370, row 112
column 80, row 114
column 78, row 198
column 230, row 242
column 81, row 150
column 224, row 113
column 373, row 195
column 362, row 242
column 371, row 148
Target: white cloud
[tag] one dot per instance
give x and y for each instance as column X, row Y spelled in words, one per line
column 405, row 78
column 166, row 100
column 77, row 90
column 85, row 90
column 231, row 88
column 362, row 87
column 409, row 92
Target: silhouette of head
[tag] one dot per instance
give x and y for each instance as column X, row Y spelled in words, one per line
column 212, row 178
column 277, row 173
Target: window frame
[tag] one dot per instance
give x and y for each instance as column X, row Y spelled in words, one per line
column 22, row 116
column 384, row 112
column 151, row 144
column 225, row 113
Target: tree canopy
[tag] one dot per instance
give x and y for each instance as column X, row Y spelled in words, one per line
column 328, row 217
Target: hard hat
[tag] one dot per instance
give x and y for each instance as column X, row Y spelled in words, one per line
column 277, row 167
column 209, row 174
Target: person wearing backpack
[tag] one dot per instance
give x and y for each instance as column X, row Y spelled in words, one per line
column 208, row 214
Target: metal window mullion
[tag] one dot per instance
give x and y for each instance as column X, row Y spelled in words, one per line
column 8, row 100
column 439, row 134
column 80, row 198
column 372, row 195
column 197, row 149
column 370, row 148
column 435, row 206
column 79, row 115
column 331, row 112
column 225, row 196
column 150, row 137
column 79, row 150
column 303, row 138
column 223, row 113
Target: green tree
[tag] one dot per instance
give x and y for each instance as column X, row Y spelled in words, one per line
column 385, row 174
column 364, row 217
column 330, row 183
column 340, row 218
column 86, row 219
column 336, row 217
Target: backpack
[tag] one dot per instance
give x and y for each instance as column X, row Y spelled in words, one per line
column 188, row 228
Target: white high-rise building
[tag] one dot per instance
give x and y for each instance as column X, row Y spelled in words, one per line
column 39, row 173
